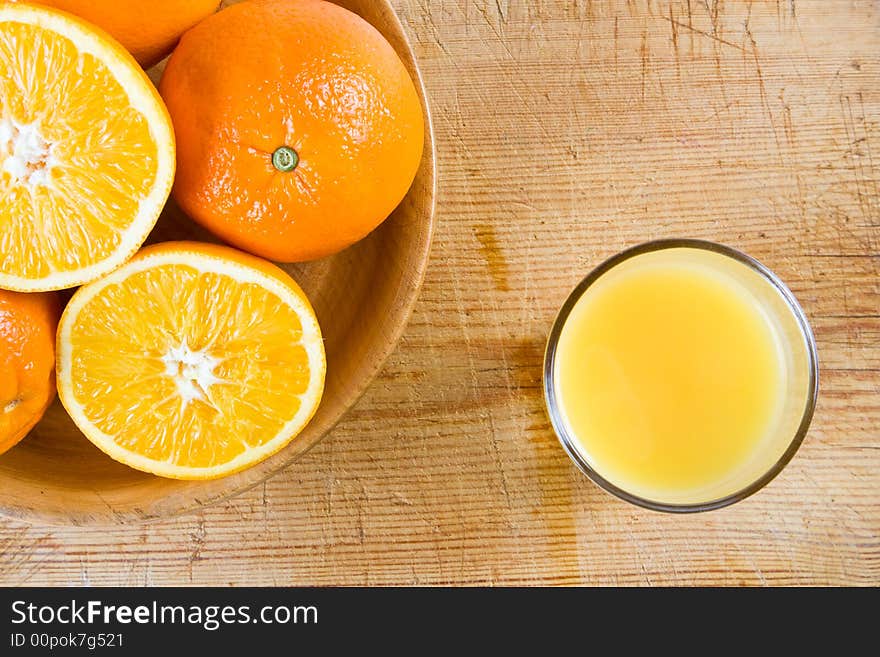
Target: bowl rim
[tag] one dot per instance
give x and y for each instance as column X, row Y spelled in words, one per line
column 408, row 290
column 555, row 414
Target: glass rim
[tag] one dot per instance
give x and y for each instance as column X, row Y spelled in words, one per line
column 553, row 408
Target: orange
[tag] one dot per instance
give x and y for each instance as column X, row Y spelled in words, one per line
column 191, row 361
column 149, row 29
column 298, row 127
column 86, row 151
column 27, row 361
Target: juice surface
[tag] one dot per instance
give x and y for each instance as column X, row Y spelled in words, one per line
column 669, row 376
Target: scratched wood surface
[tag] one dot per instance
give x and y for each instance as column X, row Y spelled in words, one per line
column 566, row 132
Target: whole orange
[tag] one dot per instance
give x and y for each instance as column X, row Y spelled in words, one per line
column 27, row 361
column 298, row 127
column 149, row 29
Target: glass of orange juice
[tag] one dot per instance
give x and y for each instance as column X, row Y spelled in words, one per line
column 681, row 375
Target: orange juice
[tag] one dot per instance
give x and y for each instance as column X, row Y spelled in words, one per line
column 671, row 377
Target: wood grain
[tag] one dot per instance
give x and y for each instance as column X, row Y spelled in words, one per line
column 567, row 131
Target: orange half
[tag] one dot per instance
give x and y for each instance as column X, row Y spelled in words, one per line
column 86, row 151
column 191, row 361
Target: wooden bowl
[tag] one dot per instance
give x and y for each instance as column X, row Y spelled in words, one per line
column 363, row 298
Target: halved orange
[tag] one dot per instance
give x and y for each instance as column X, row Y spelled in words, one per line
column 191, row 361
column 86, row 151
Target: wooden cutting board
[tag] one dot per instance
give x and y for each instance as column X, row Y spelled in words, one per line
column 566, row 132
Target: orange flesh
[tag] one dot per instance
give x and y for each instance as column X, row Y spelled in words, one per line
column 187, row 364
column 76, row 159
